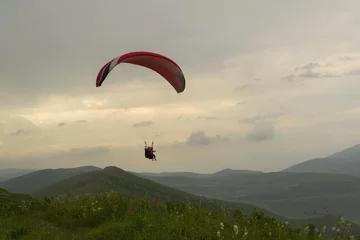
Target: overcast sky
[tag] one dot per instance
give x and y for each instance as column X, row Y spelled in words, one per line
column 268, row 83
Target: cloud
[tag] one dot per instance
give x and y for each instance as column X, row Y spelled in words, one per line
column 243, row 87
column 143, row 124
column 261, row 132
column 81, row 121
column 199, row 138
column 207, row 118
column 334, row 67
column 61, row 124
column 355, row 72
column 261, row 118
column 309, row 66
column 65, row 158
column 22, row 132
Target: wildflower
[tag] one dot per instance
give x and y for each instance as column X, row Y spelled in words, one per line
column 333, row 229
column 221, row 226
column 218, row 233
column 342, row 220
column 245, row 233
column 236, row 230
column 286, row 223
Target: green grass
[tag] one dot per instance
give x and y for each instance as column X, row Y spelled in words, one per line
column 114, row 216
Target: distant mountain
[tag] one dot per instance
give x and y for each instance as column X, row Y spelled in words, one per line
column 6, row 174
column 126, row 183
column 224, row 172
column 238, row 185
column 344, row 162
column 111, row 178
column 37, row 180
column 281, row 192
column 229, row 171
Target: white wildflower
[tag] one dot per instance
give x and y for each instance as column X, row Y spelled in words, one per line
column 245, row 233
column 236, row 230
column 218, row 233
column 221, row 226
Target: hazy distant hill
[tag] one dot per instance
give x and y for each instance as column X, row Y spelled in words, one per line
column 285, row 193
column 110, row 178
column 224, row 172
column 344, row 162
column 113, row 178
column 6, row 174
column 36, row 180
column 237, row 185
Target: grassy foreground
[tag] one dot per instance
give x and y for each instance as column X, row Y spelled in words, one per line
column 112, row 216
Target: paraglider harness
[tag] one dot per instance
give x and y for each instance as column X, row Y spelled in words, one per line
column 149, row 152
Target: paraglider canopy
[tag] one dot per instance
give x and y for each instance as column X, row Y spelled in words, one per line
column 164, row 66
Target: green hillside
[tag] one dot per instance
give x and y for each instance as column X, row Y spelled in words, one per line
column 127, row 184
column 111, row 178
column 6, row 196
column 295, row 195
column 112, row 215
column 37, row 180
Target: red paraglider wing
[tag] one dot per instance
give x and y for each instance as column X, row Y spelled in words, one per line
column 164, row 66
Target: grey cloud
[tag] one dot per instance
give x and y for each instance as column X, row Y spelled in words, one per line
column 61, row 124
column 261, row 132
column 20, row 132
column 183, row 118
column 289, row 78
column 240, row 103
column 309, row 66
column 61, row 58
column 261, row 118
column 307, row 71
column 243, row 87
column 143, row 124
column 355, row 72
column 81, row 121
column 310, row 74
column 200, row 138
column 75, row 156
column 207, row 118
column 346, row 58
